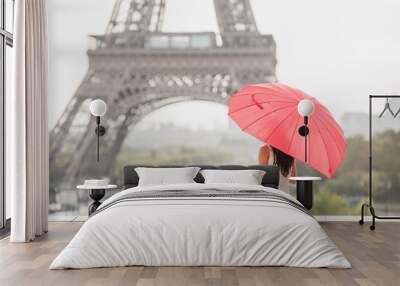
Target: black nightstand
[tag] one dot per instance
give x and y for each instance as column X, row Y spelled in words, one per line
column 96, row 193
column 304, row 190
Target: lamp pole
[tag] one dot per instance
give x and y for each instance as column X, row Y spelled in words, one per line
column 305, row 108
column 305, row 137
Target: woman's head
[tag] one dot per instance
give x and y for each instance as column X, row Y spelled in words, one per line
column 283, row 161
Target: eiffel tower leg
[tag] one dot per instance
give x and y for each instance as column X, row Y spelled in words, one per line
column 234, row 16
column 114, row 146
column 86, row 143
column 62, row 128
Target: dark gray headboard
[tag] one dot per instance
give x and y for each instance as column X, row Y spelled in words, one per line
column 271, row 177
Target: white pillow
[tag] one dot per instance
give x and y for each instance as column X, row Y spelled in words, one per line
column 248, row 177
column 163, row 176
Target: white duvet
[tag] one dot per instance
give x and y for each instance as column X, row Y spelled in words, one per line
column 200, row 231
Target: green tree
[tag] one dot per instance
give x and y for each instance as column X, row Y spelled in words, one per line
column 329, row 203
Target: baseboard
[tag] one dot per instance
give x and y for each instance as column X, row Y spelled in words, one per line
column 341, row 218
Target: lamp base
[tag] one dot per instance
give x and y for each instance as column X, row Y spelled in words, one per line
column 303, row 130
column 100, row 130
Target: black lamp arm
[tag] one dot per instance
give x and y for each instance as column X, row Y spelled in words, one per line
column 303, row 131
column 100, row 131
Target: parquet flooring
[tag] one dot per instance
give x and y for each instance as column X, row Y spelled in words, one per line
column 375, row 257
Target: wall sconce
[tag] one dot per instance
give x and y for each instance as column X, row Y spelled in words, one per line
column 305, row 108
column 98, row 108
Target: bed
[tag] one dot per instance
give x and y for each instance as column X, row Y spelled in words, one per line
column 201, row 224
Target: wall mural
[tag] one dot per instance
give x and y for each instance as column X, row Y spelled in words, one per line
column 160, row 87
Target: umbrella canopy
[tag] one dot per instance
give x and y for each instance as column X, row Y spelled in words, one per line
column 269, row 113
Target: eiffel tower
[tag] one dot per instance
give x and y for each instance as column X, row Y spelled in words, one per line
column 136, row 68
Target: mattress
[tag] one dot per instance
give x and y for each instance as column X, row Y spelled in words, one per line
column 201, row 225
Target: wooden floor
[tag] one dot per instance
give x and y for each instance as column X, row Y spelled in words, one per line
column 375, row 257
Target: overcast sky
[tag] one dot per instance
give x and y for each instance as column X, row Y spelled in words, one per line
column 338, row 51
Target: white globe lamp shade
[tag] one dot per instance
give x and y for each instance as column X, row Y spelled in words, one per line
column 305, row 107
column 98, row 107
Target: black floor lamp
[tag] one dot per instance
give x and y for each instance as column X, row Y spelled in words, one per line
column 98, row 108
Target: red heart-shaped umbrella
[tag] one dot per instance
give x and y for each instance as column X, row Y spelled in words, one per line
column 269, row 113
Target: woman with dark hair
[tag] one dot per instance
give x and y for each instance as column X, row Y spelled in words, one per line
column 269, row 155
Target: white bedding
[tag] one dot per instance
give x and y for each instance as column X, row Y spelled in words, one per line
column 200, row 231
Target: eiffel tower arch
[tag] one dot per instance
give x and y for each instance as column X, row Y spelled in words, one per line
column 136, row 68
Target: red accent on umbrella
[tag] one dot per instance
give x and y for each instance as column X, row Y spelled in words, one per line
column 269, row 113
